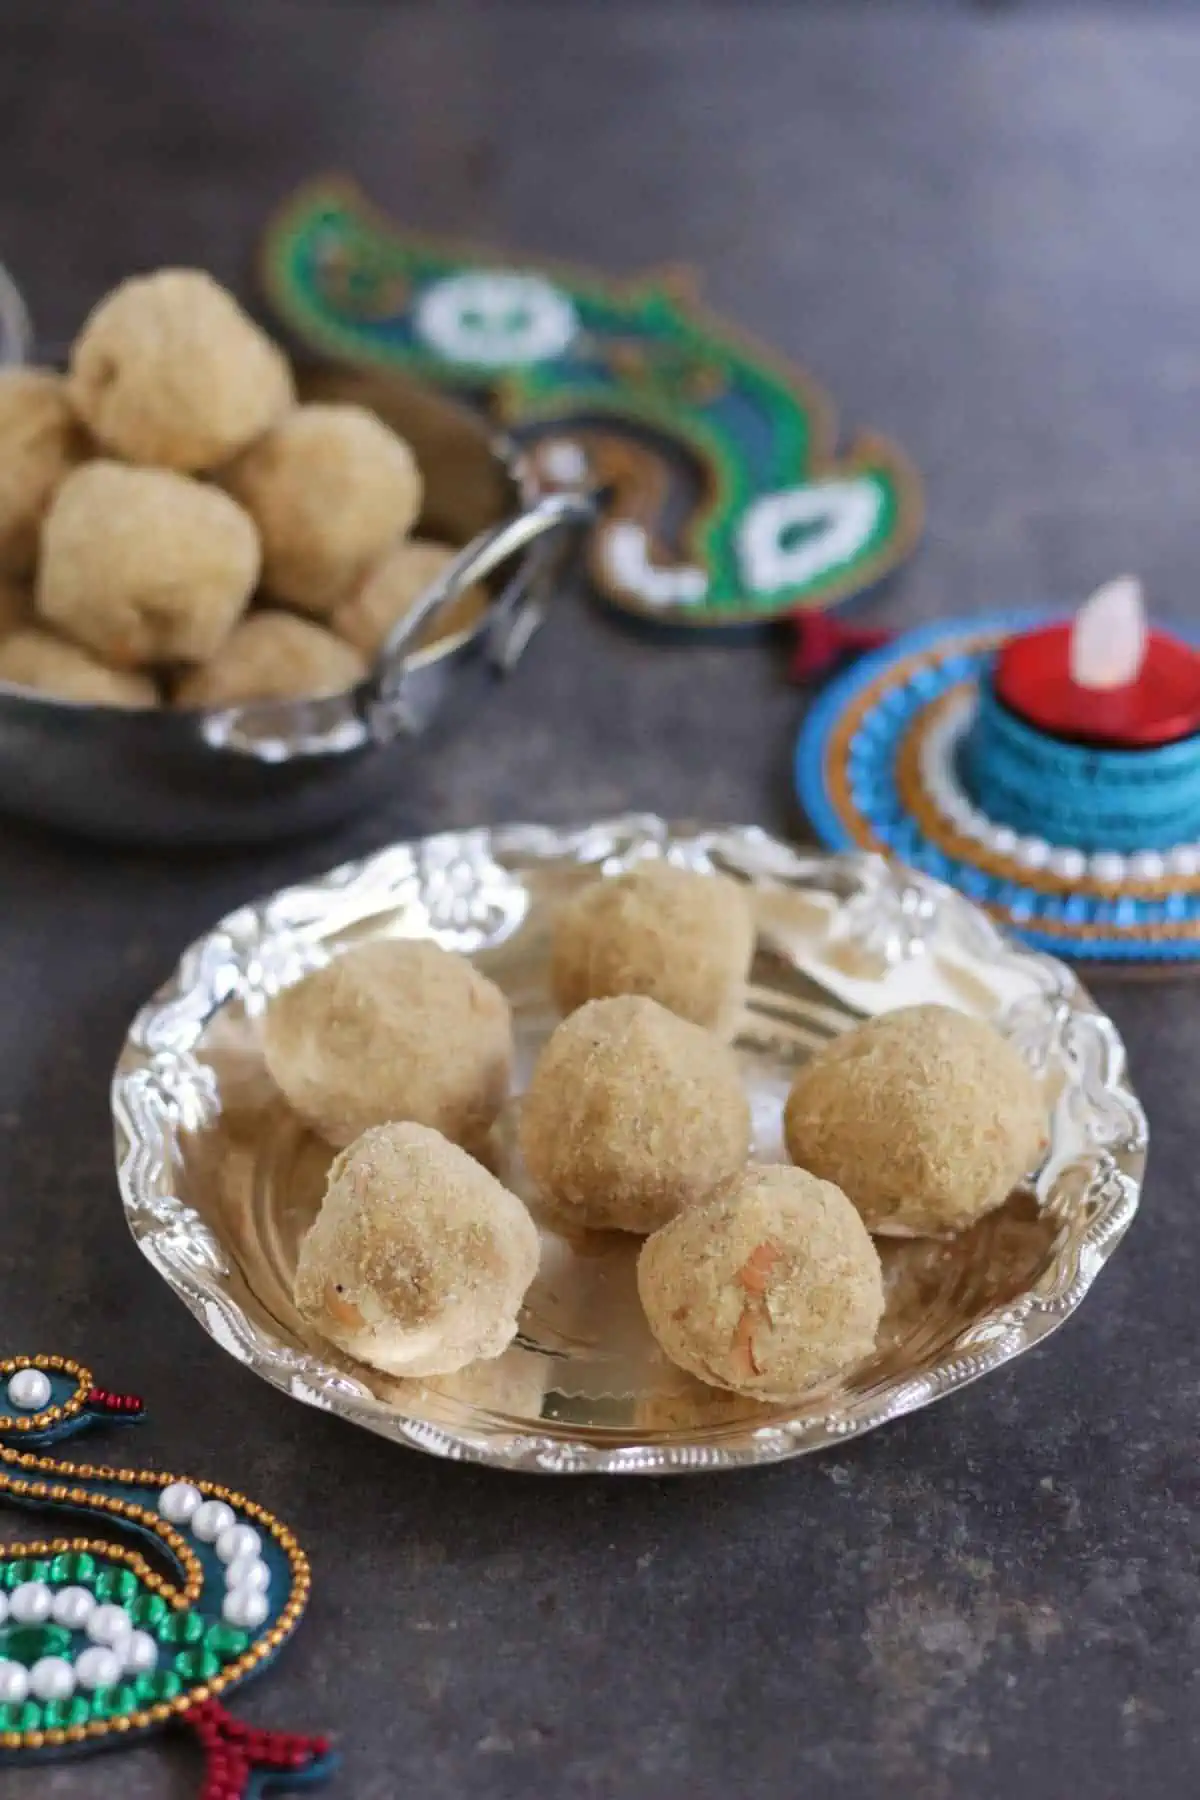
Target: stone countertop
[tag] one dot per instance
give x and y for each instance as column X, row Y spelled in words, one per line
column 978, row 228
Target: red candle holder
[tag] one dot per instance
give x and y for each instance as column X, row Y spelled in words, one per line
column 1033, row 679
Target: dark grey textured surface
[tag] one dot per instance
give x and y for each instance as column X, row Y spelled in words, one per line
column 980, row 231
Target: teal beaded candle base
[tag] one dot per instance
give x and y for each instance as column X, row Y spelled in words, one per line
column 98, row 1646
column 1094, row 855
column 1095, row 799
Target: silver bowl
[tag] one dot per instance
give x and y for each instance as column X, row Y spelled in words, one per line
column 275, row 768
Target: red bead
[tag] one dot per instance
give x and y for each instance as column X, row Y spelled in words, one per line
column 822, row 642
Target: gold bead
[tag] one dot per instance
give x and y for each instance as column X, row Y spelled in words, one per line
column 56, row 1739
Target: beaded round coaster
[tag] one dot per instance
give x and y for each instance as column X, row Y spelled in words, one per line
column 877, row 768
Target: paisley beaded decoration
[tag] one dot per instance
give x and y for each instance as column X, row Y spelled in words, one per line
column 884, row 762
column 103, row 1642
column 728, row 503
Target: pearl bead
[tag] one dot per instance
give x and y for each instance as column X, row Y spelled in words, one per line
column 30, row 1603
column 178, row 1502
column 1107, row 865
column 14, row 1684
column 141, row 1653
column 97, row 1667
column 1067, row 862
column 246, row 1608
column 52, row 1678
column 30, row 1390
column 211, row 1519
column 238, row 1541
column 73, row 1607
column 249, row 1572
column 108, row 1625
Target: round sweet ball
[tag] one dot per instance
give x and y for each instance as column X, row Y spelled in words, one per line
column 418, row 1260
column 41, row 441
column 632, row 1115
column 392, row 589
column 49, row 665
column 142, row 566
column 768, row 1288
column 331, row 488
column 393, row 1029
column 676, row 936
column 926, row 1117
column 273, row 656
column 168, row 370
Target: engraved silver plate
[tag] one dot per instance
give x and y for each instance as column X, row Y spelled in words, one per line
column 219, row 1180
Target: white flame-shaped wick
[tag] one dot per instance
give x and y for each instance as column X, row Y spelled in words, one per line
column 1108, row 637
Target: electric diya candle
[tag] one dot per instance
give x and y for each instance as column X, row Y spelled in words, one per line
column 1087, row 734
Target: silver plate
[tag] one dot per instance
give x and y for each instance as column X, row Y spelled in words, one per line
column 219, row 1180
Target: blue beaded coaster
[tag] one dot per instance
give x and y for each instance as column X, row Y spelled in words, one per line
column 883, row 763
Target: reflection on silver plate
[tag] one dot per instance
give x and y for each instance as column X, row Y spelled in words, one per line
column 219, row 1180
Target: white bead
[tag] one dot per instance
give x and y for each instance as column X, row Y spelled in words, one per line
column 1107, row 865
column 52, row 1678
column 1148, row 865
column 1068, row 863
column 249, row 1572
column 141, row 1653
column 97, row 1667
column 211, row 1519
column 30, row 1603
column 1184, row 859
column 246, row 1608
column 30, row 1390
column 14, row 1684
column 178, row 1502
column 1034, row 852
column 109, row 1625
column 73, row 1607
column 238, row 1541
